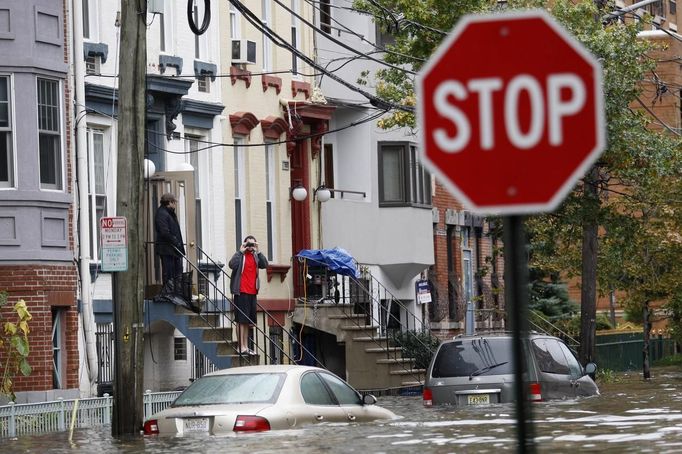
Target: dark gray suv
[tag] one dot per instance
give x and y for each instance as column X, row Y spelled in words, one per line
column 478, row 370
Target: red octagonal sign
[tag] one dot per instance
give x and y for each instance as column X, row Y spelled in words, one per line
column 510, row 112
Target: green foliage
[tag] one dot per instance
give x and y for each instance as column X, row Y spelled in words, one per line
column 420, row 345
column 674, row 360
column 607, row 376
column 571, row 325
column 14, row 346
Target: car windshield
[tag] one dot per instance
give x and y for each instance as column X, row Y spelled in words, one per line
column 472, row 357
column 232, row 389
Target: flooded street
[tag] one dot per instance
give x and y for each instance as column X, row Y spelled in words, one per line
column 630, row 416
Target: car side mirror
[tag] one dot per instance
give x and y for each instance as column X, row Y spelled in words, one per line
column 369, row 399
column 590, row 369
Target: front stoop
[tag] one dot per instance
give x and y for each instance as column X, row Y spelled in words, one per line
column 215, row 343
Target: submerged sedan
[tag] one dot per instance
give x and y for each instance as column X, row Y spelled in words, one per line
column 259, row 398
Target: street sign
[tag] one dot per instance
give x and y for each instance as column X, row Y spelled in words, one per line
column 114, row 243
column 510, row 111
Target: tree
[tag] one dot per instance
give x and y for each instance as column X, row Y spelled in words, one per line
column 567, row 240
column 14, row 346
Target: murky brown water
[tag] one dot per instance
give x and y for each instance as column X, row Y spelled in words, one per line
column 629, row 416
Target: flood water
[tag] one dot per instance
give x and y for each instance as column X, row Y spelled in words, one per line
column 630, row 416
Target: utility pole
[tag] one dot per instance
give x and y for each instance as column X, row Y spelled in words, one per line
column 128, row 286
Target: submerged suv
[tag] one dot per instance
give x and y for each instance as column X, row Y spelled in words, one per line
column 478, row 370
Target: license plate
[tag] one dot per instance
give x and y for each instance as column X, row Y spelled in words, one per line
column 478, row 399
column 195, row 424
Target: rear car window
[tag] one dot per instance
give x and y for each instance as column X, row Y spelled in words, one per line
column 462, row 358
column 232, row 389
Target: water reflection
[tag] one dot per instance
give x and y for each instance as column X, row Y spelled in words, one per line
column 630, row 416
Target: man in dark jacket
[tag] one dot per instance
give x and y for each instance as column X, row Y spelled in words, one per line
column 169, row 245
column 244, row 285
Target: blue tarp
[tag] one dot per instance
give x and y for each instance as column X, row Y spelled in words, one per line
column 337, row 260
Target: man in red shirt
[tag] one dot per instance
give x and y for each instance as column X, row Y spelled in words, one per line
column 244, row 286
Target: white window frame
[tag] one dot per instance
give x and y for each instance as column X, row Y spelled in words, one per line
column 200, row 41
column 468, row 289
column 295, row 39
column 271, row 202
column 92, row 182
column 91, row 15
column 11, row 160
column 235, row 23
column 58, row 185
column 239, row 191
column 57, row 348
column 167, row 29
column 266, row 20
column 194, row 143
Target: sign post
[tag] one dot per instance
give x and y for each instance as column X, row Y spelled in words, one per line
column 511, row 115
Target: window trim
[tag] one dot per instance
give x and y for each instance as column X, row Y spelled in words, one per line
column 92, row 183
column 12, row 162
column 266, row 19
column 239, row 190
column 271, row 201
column 59, row 173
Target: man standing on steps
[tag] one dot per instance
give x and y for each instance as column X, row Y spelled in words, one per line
column 244, row 286
column 169, row 245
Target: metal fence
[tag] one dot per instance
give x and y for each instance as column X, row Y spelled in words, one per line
column 59, row 415
column 624, row 351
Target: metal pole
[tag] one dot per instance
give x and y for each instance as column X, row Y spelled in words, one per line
column 516, row 299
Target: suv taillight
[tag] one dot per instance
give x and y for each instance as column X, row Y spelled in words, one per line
column 245, row 423
column 151, row 427
column 534, row 392
column 427, row 397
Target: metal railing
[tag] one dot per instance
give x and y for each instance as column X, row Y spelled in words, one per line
column 58, row 415
column 369, row 304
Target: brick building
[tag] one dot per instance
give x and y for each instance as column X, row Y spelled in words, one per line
column 36, row 203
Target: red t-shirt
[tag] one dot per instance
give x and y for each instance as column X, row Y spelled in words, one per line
column 249, row 274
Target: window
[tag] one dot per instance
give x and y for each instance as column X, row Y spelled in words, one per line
column 345, row 395
column 239, row 191
column 57, row 348
column 463, row 358
column 200, row 41
column 193, row 146
column 672, row 8
column 325, row 16
column 49, row 134
column 468, row 276
column 383, row 36
column 314, row 392
column 6, row 153
column 270, row 199
column 235, row 31
column 549, row 357
column 98, row 165
column 573, row 364
column 295, row 37
column 180, row 349
column 90, row 20
column 92, row 65
column 266, row 18
column 402, row 178
column 166, row 29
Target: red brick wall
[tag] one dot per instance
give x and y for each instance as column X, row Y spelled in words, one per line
column 44, row 287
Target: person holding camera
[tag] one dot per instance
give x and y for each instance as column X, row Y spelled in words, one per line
column 244, row 286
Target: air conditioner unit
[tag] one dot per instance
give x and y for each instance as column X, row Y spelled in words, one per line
column 155, row 6
column 243, row 51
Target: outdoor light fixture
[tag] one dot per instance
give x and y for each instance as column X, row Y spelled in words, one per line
column 299, row 193
column 149, row 169
column 323, row 193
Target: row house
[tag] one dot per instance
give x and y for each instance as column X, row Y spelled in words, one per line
column 37, row 242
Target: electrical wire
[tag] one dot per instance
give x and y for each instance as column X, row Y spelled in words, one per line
column 190, row 17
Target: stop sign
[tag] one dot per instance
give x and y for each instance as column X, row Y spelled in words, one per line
column 510, row 112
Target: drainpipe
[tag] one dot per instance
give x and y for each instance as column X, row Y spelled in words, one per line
column 87, row 315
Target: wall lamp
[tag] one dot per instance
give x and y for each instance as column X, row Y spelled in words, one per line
column 324, row 193
column 299, row 193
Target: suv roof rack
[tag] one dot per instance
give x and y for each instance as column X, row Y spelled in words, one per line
column 492, row 332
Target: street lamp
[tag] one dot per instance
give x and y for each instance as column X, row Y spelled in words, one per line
column 149, row 169
column 323, row 194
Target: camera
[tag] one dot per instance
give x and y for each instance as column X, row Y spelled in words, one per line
column 250, row 244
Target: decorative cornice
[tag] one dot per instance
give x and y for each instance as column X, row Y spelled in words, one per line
column 201, row 108
column 271, row 81
column 298, row 87
column 273, row 127
column 282, row 270
column 242, row 123
column 309, row 112
column 240, row 74
column 168, row 85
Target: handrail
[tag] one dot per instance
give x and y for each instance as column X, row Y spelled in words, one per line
column 556, row 329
